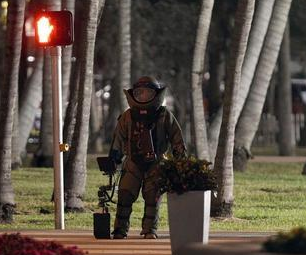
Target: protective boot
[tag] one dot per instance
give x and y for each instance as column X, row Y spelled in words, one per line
column 117, row 234
column 150, row 236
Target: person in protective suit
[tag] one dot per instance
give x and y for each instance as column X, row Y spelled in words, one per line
column 142, row 135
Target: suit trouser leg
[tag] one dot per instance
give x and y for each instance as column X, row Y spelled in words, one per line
column 129, row 187
column 152, row 201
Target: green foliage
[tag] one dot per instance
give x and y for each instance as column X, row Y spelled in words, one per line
column 292, row 242
column 186, row 174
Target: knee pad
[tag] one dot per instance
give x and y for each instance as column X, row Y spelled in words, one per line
column 125, row 198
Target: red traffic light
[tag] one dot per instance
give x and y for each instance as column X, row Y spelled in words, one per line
column 54, row 28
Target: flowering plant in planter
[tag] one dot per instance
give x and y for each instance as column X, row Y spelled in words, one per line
column 185, row 174
column 15, row 244
column 293, row 242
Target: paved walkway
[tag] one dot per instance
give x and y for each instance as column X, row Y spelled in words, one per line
column 136, row 245
column 278, row 159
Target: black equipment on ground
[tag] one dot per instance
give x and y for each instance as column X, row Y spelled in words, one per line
column 102, row 220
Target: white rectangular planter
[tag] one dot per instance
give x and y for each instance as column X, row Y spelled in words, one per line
column 189, row 218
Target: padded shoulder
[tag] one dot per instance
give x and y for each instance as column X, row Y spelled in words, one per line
column 125, row 116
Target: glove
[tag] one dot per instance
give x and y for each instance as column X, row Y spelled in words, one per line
column 116, row 156
column 179, row 154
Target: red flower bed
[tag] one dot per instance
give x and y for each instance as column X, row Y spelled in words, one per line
column 15, row 244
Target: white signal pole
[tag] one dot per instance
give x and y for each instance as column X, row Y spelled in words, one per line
column 46, row 23
column 58, row 146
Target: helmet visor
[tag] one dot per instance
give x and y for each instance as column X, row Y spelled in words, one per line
column 143, row 95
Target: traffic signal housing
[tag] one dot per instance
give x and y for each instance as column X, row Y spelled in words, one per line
column 54, row 28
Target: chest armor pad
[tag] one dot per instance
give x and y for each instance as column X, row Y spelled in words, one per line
column 143, row 137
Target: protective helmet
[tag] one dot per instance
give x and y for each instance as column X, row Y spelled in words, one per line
column 146, row 93
column 145, row 89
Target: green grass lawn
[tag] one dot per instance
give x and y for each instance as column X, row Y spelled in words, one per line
column 268, row 197
column 273, row 151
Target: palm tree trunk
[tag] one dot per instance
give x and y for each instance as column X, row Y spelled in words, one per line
column 100, row 8
column 53, row 5
column 77, row 49
column 76, row 172
column 284, row 102
column 23, row 67
column 213, row 134
column 199, row 122
column 271, row 95
column 44, row 156
column 16, row 159
column 137, row 52
column 224, row 160
column 216, row 73
column 9, row 90
column 95, row 137
column 125, row 49
column 258, row 32
column 70, row 114
column 66, row 59
column 30, row 102
column 251, row 113
column 2, row 49
column 96, row 114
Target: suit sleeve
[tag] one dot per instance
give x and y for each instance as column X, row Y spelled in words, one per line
column 175, row 136
column 119, row 142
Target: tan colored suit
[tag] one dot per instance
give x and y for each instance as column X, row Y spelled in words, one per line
column 136, row 176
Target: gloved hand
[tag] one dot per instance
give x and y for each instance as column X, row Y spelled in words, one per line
column 116, row 156
column 179, row 154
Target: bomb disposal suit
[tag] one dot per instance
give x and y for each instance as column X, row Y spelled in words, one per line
column 142, row 135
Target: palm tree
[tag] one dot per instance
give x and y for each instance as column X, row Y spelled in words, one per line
column 197, row 74
column 251, row 113
column 70, row 115
column 284, row 100
column 100, row 8
column 125, row 49
column 44, row 155
column 213, row 134
column 223, row 167
column 2, row 47
column 259, row 29
column 30, row 101
column 76, row 172
column 9, row 88
column 16, row 159
column 67, row 58
column 73, row 89
column 95, row 138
